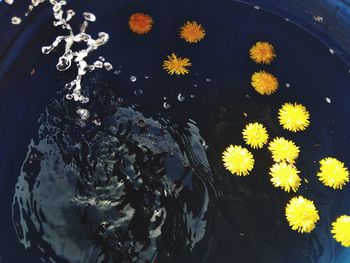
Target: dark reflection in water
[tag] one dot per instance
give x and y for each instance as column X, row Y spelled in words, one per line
column 112, row 191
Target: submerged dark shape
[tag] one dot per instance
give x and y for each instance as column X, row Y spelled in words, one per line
column 106, row 191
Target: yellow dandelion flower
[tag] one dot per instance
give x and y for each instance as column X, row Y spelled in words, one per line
column 264, row 83
column 294, row 117
column 283, row 150
column 238, row 160
column 341, row 230
column 285, row 176
column 262, row 53
column 192, row 32
column 255, row 135
column 302, row 214
column 333, row 173
column 140, row 23
column 176, row 65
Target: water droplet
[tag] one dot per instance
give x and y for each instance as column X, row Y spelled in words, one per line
column 331, row 51
column 63, row 63
column 257, row 7
column 46, row 50
column 89, row 16
column 191, row 96
column 120, row 100
column 101, row 58
column 133, row 78
column 98, row 64
column 138, row 92
column 166, row 105
column 180, row 97
column 84, row 100
column 328, row 100
column 108, row 66
column 16, row 20
column 9, row 2
column 83, row 113
column 117, row 71
column 146, row 77
column 288, row 85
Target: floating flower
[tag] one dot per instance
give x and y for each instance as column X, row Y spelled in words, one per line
column 238, row 160
column 176, row 65
column 262, row 52
column 140, row 23
column 341, row 230
column 294, row 117
column 285, row 176
column 283, row 150
column 302, row 214
column 255, row 135
column 192, row 32
column 333, row 173
column 264, row 83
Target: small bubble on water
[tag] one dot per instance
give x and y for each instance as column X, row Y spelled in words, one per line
column 166, row 105
column 331, row 51
column 89, row 16
column 328, row 100
column 83, row 113
column 191, row 96
column 257, row 7
column 16, row 20
column 120, row 100
column 195, row 85
column 287, row 85
column 133, row 78
column 180, row 97
column 165, row 98
column 9, row 2
column 208, row 80
column 69, row 96
column 102, row 58
column 146, row 77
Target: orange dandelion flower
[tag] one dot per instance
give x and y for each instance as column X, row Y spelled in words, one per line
column 192, row 32
column 140, row 23
column 262, row 53
column 176, row 65
column 264, row 83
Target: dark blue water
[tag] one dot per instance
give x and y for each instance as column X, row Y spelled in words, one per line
column 148, row 185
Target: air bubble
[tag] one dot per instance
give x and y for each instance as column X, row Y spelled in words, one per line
column 133, row 78
column 69, row 96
